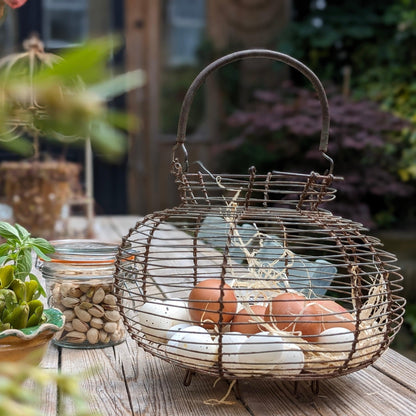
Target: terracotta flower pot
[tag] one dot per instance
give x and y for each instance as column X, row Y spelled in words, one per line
column 30, row 344
column 37, row 191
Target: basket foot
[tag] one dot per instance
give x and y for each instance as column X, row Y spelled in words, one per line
column 315, row 386
column 236, row 390
column 188, row 377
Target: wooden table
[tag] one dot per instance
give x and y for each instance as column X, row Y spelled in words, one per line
column 129, row 381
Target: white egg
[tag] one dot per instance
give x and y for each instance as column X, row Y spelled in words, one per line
column 291, row 362
column 173, row 343
column 336, row 339
column 260, row 352
column 157, row 317
column 178, row 335
column 231, row 342
column 178, row 310
column 175, row 329
column 193, row 346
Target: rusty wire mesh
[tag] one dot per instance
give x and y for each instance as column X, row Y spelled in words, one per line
column 253, row 238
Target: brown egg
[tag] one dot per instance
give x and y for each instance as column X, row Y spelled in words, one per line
column 245, row 322
column 204, row 303
column 284, row 308
column 310, row 322
column 321, row 315
column 342, row 318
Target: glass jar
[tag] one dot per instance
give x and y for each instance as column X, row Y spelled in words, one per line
column 78, row 281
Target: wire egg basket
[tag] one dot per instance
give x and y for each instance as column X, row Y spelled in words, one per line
column 249, row 277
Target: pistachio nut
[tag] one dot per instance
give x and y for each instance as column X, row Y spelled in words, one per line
column 110, row 327
column 90, row 292
column 75, row 337
column 115, row 336
column 85, row 305
column 104, row 336
column 110, row 299
column 113, row 316
column 82, row 314
column 80, row 326
column 75, row 292
column 68, row 327
column 56, row 293
column 93, row 335
column 97, row 323
column 69, row 315
column 109, row 307
column 99, row 295
column 69, row 302
column 84, row 287
column 97, row 311
column 65, row 288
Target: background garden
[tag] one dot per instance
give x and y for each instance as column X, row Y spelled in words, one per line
column 364, row 53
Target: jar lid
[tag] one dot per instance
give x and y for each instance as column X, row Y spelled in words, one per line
column 83, row 251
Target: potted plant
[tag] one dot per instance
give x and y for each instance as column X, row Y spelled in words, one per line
column 25, row 326
column 63, row 99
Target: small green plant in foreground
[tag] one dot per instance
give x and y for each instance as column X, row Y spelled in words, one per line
column 17, row 398
column 19, row 288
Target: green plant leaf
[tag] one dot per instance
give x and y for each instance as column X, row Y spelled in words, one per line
column 35, row 316
column 8, row 231
column 18, row 317
column 6, row 276
column 108, row 140
column 88, row 62
column 31, row 288
column 4, row 249
column 24, row 263
column 43, row 245
column 10, row 298
column 20, row 289
column 122, row 120
column 119, row 84
column 22, row 231
column 40, row 288
column 16, row 144
column 41, row 254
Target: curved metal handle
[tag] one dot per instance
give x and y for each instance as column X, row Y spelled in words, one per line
column 251, row 53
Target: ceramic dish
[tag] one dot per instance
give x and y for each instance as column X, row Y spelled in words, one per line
column 30, row 344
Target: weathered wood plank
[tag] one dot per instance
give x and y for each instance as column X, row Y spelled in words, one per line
column 364, row 393
column 113, row 228
column 132, row 382
column 142, row 32
column 399, row 368
column 156, row 387
column 45, row 395
column 103, row 384
column 49, row 394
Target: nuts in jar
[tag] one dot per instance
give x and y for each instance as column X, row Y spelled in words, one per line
column 79, row 283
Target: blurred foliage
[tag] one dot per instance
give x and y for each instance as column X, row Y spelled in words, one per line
column 373, row 121
column 18, row 398
column 375, row 40
column 282, row 130
column 410, row 319
column 70, row 97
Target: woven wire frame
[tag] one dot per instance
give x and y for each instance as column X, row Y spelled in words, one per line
column 262, row 235
column 256, row 238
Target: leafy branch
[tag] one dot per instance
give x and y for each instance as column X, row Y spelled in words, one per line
column 19, row 304
column 17, row 250
column 16, row 399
